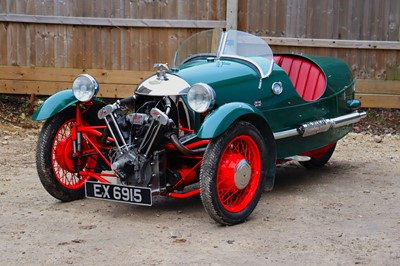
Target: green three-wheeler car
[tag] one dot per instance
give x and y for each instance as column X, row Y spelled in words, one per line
column 215, row 123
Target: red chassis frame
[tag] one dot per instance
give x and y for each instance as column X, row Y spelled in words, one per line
column 188, row 174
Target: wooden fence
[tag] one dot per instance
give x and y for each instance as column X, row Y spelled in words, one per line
column 45, row 44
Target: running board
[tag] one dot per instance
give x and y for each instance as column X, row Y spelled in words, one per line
column 320, row 126
column 298, row 158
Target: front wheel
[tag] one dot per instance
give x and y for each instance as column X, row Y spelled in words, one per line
column 57, row 165
column 233, row 173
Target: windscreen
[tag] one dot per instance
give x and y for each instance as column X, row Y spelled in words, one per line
column 234, row 44
column 246, row 45
column 203, row 43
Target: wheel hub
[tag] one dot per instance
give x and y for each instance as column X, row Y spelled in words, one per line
column 63, row 155
column 242, row 174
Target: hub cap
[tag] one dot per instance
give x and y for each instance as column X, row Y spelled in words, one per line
column 242, row 174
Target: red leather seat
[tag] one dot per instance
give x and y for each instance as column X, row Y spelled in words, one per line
column 307, row 78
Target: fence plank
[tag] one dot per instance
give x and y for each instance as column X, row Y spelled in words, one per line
column 231, row 14
column 331, row 43
column 49, row 88
column 113, row 22
column 123, row 77
column 371, row 86
column 379, row 101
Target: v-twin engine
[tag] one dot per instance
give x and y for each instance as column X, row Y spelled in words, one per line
column 139, row 138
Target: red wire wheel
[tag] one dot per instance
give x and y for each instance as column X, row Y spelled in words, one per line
column 232, row 173
column 238, row 173
column 58, row 168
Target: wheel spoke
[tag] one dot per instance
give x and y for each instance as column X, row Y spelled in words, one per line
column 223, row 192
column 231, row 198
column 238, row 197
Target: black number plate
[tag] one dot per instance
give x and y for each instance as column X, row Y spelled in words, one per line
column 127, row 194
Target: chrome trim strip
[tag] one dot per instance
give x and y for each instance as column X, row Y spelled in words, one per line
column 322, row 125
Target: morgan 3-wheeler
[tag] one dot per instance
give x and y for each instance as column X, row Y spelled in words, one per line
column 215, row 123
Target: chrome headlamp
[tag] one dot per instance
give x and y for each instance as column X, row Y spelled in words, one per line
column 85, row 88
column 201, row 97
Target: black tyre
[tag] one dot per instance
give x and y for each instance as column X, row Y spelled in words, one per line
column 56, row 167
column 232, row 173
column 320, row 158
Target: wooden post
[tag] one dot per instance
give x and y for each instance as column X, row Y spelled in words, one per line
column 231, row 14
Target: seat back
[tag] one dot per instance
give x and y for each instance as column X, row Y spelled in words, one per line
column 307, row 78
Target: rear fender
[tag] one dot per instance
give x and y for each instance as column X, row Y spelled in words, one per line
column 55, row 104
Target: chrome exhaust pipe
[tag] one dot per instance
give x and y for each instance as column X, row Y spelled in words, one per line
column 348, row 119
column 320, row 126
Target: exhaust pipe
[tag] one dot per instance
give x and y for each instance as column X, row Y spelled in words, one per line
column 348, row 119
column 320, row 126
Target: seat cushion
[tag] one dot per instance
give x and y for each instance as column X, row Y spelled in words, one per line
column 307, row 78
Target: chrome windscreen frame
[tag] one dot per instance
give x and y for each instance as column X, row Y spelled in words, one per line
column 221, row 55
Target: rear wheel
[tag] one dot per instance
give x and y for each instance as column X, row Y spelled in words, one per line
column 232, row 174
column 319, row 157
column 57, row 165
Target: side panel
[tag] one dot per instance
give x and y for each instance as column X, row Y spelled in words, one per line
column 55, row 104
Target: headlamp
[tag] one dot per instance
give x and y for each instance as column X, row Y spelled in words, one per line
column 201, row 97
column 85, row 87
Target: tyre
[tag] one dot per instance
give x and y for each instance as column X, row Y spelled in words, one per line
column 320, row 157
column 57, row 168
column 232, row 173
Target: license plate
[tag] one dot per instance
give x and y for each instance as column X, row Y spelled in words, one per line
column 126, row 194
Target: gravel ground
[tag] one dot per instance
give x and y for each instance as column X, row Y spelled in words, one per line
column 346, row 213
